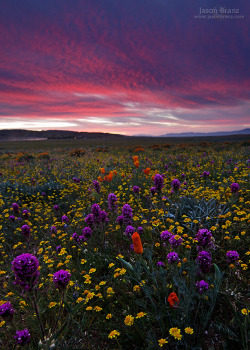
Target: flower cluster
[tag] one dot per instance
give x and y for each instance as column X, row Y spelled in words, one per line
column 25, row 268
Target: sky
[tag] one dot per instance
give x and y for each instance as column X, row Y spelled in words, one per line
column 131, row 67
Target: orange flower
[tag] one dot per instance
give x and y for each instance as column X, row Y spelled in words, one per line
column 173, row 300
column 109, row 176
column 136, row 164
column 115, row 172
column 100, row 178
column 138, row 249
column 102, row 170
column 135, row 159
column 146, row 171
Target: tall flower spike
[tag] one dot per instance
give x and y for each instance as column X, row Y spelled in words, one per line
column 138, row 249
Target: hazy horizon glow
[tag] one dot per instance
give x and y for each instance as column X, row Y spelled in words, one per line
column 134, row 67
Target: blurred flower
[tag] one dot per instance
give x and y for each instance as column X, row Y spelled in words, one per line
column 6, row 311
column 172, row 257
column 173, row 300
column 232, row 256
column 61, row 279
column 204, row 261
column 129, row 320
column 138, row 249
column 25, row 268
column 202, row 286
column 22, row 337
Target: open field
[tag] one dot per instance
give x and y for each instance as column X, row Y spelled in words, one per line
column 119, row 142
column 73, row 273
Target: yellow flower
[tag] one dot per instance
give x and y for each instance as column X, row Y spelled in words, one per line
column 245, row 311
column 189, row 330
column 92, row 270
column 110, row 291
column 129, row 320
column 141, row 314
column 79, row 300
column 102, row 283
column 90, row 295
column 109, row 316
column 162, row 342
column 157, row 245
column 113, row 334
column 111, row 265
column 97, row 308
column 136, row 288
column 175, row 332
column 52, row 304
column 2, row 323
column 89, row 308
column 22, row 303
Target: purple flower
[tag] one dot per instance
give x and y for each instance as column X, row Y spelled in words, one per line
column 103, row 216
column 15, row 208
column 176, row 184
column 158, row 182
column 120, row 220
column 202, row 286
column 139, row 230
column 129, row 231
column 6, row 311
column 232, row 256
column 204, row 261
column 205, row 174
column 96, row 186
column 96, row 210
column 87, row 232
column 61, row 279
column 160, row 263
column 25, row 268
column 76, row 180
column 235, row 187
column 183, row 175
column 112, row 201
column 132, row 247
column 65, row 218
column 58, row 248
column 12, row 218
column 22, row 337
column 26, row 214
column 75, row 237
column 136, row 189
column 165, row 235
column 204, row 237
column 56, row 207
column 175, row 240
column 172, row 257
column 153, row 190
column 127, row 214
column 25, row 230
column 89, row 220
column 53, row 229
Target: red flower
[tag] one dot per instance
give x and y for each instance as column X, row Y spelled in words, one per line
column 173, row 300
column 138, row 249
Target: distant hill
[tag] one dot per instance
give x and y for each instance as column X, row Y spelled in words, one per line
column 18, row 134
column 219, row 133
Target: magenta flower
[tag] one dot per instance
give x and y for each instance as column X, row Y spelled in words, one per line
column 25, row 268
column 22, row 337
column 61, row 279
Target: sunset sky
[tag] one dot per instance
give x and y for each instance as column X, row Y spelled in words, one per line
column 124, row 66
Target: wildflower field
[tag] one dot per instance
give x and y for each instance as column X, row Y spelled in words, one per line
column 125, row 248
